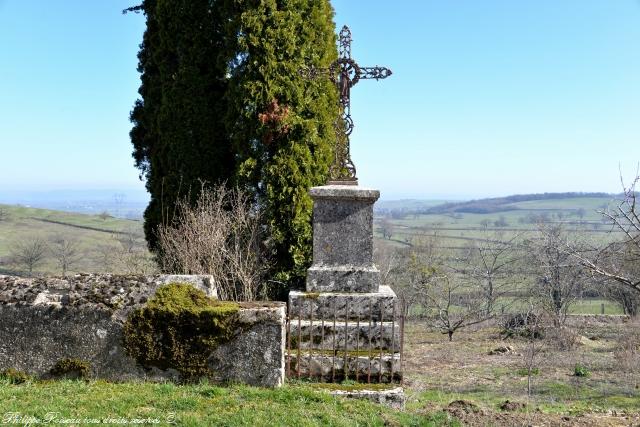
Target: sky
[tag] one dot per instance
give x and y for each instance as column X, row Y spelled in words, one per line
column 487, row 97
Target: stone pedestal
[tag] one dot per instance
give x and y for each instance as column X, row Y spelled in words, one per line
column 345, row 325
column 343, row 240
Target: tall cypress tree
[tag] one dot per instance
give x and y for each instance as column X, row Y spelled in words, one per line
column 282, row 123
column 179, row 135
column 223, row 98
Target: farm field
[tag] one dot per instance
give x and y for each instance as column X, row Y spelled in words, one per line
column 456, row 229
column 94, row 235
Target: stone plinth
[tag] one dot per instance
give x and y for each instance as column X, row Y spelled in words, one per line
column 343, row 240
column 361, row 306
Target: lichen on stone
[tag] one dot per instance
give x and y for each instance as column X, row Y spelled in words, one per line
column 13, row 376
column 178, row 328
column 71, row 368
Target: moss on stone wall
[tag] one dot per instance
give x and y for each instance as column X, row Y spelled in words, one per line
column 13, row 376
column 71, row 368
column 178, row 328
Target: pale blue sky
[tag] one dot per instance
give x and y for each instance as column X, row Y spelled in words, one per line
column 488, row 97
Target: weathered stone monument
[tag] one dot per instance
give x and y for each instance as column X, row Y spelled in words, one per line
column 345, row 325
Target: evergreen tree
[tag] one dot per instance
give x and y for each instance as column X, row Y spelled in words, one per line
column 282, row 124
column 179, row 134
column 223, row 97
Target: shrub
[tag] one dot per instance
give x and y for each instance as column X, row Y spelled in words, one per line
column 627, row 352
column 562, row 338
column 221, row 236
column 581, row 370
column 521, row 324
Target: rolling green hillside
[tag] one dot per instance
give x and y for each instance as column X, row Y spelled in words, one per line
column 514, row 214
column 101, row 243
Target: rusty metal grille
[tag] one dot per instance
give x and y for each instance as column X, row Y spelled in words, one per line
column 342, row 343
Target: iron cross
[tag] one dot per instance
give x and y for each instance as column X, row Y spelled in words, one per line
column 345, row 73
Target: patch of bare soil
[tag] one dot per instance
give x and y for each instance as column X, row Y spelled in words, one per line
column 502, row 419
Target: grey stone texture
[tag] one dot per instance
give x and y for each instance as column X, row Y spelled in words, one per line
column 318, row 335
column 330, row 367
column 393, row 398
column 343, row 240
column 306, row 305
column 45, row 320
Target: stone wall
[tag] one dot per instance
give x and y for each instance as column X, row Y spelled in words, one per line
column 43, row 321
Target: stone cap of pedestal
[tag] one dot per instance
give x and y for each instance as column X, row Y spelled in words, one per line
column 349, row 192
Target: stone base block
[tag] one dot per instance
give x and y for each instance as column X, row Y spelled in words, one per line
column 345, row 306
column 331, row 368
column 343, row 278
column 392, row 398
column 358, row 337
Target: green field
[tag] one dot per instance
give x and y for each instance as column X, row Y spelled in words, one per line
column 577, row 214
column 95, row 237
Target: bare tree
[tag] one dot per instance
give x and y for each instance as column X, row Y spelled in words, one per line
column 386, row 228
column 448, row 304
column 387, row 260
column 4, row 214
column 221, row 235
column 618, row 261
column 29, row 253
column 489, row 263
column 65, row 251
column 451, row 304
column 534, row 330
column 130, row 254
column 628, row 298
column 559, row 279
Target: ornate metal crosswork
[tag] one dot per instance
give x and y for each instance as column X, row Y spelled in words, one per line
column 345, row 73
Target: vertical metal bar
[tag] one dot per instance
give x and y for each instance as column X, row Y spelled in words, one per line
column 346, row 336
column 310, row 338
column 299, row 339
column 357, row 358
column 403, row 310
column 322, row 346
column 381, row 339
column 288, row 346
column 393, row 339
column 369, row 335
column 335, row 351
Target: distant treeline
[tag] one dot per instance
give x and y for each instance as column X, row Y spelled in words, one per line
column 491, row 205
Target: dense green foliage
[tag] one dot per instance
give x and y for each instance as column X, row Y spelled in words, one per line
column 178, row 134
column 223, row 99
column 281, row 122
column 178, row 328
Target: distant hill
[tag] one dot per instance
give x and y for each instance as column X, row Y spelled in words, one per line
column 497, row 204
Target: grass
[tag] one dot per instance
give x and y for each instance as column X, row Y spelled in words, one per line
column 201, row 405
column 91, row 232
column 438, row 372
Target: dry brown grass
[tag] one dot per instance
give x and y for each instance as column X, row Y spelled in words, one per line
column 439, row 372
